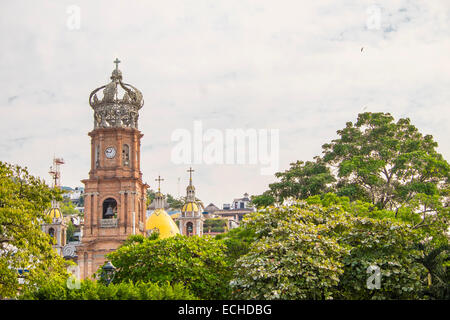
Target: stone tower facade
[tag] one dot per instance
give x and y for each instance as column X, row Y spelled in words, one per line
column 115, row 195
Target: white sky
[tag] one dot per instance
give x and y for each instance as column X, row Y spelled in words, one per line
column 295, row 66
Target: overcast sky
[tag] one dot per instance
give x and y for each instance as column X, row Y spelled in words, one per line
column 296, row 66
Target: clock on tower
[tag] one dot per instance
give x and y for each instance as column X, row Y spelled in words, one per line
column 115, row 196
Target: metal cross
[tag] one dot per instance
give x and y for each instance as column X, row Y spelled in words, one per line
column 190, row 173
column 117, row 61
column 159, row 182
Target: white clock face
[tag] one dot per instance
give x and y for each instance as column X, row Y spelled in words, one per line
column 110, row 152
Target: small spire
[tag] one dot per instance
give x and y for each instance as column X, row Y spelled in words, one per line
column 159, row 182
column 117, row 61
column 190, row 175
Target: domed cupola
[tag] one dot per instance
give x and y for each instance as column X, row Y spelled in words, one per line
column 160, row 221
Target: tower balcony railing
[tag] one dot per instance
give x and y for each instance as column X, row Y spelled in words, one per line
column 109, row 223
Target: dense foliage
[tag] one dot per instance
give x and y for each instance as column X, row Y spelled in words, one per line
column 197, row 262
column 307, row 251
column 386, row 162
column 23, row 245
column 302, row 180
column 68, row 208
column 214, row 225
column 237, row 242
column 57, row 289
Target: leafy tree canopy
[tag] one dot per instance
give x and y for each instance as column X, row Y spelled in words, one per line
column 386, row 162
column 23, row 245
column 308, row 251
column 197, row 262
column 375, row 160
column 57, row 289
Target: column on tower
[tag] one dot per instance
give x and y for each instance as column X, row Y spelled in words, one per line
column 95, row 212
column 87, row 210
column 122, row 212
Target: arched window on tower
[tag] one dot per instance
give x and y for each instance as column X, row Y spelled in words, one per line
column 51, row 233
column 97, row 156
column 189, row 228
column 109, row 208
column 126, row 155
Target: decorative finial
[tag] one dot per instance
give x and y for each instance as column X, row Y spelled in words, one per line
column 159, row 183
column 190, row 175
column 117, row 61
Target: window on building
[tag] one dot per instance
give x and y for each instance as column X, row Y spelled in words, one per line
column 97, row 156
column 51, row 232
column 109, row 208
column 126, row 155
column 189, row 228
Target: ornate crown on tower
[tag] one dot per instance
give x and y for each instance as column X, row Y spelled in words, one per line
column 120, row 104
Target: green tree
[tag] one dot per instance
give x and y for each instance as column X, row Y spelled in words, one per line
column 23, row 245
column 174, row 203
column 71, row 229
column 301, row 180
column 237, row 242
column 264, row 200
column 390, row 246
column 67, row 208
column 437, row 262
column 151, row 194
column 310, row 251
column 374, row 160
column 198, row 262
column 215, row 225
column 386, row 162
column 293, row 257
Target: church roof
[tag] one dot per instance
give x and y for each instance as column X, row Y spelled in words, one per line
column 189, row 207
column 211, row 208
column 159, row 220
column 152, row 206
column 54, row 213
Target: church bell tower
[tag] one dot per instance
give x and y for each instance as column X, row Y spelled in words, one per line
column 115, row 196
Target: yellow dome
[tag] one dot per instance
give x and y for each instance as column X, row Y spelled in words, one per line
column 54, row 213
column 161, row 221
column 189, row 207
